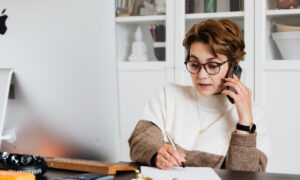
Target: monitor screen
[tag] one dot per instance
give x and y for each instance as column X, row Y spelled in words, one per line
column 65, row 78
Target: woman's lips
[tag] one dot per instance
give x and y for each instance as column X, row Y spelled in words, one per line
column 204, row 86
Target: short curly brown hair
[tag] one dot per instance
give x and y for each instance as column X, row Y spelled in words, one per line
column 223, row 37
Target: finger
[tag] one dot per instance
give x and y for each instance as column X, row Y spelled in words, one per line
column 175, row 155
column 227, row 80
column 237, row 80
column 239, row 84
column 236, row 87
column 171, row 159
column 235, row 77
column 160, row 161
column 231, row 94
column 163, row 163
column 244, row 87
column 168, row 157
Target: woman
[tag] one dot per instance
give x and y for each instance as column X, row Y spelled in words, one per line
column 207, row 128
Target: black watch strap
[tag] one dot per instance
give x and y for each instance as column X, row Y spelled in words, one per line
column 251, row 129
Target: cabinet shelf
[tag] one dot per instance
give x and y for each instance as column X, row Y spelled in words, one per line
column 141, row 19
column 238, row 14
column 283, row 12
column 142, row 66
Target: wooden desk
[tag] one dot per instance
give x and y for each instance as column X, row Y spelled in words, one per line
column 53, row 174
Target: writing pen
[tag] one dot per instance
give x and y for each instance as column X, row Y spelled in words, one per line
column 172, row 143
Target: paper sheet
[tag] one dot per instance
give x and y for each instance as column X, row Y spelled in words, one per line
column 179, row 173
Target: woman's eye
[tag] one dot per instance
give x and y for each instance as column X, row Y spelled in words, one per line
column 195, row 65
column 213, row 66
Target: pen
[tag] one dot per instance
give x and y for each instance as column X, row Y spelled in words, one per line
column 172, row 143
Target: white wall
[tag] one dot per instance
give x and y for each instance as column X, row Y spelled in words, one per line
column 281, row 94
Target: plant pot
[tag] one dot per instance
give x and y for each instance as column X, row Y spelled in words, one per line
column 288, row 43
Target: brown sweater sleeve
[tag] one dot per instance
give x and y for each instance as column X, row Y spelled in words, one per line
column 243, row 155
column 144, row 142
column 147, row 138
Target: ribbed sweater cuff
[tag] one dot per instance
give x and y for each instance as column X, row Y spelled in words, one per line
column 248, row 140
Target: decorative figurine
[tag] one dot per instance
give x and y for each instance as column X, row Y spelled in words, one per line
column 139, row 50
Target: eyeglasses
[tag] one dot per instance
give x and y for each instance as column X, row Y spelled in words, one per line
column 211, row 68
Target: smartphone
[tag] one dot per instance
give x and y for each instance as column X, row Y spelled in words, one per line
column 236, row 70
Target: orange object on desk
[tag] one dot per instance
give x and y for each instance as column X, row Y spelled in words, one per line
column 14, row 175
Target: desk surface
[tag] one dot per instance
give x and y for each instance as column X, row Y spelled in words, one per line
column 53, row 174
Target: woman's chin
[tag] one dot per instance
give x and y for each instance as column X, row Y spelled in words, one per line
column 205, row 93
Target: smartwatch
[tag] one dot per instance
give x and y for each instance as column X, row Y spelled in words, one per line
column 251, row 129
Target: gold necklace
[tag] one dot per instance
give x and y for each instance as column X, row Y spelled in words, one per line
column 202, row 130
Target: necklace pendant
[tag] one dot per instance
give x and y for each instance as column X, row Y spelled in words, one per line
column 201, row 131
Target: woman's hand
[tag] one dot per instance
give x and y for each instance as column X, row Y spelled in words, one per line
column 167, row 157
column 242, row 99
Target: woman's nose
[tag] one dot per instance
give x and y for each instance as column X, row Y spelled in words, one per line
column 202, row 73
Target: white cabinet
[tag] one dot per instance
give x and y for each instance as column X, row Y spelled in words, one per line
column 277, row 87
column 139, row 80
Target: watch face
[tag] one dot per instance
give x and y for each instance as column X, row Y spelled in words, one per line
column 252, row 128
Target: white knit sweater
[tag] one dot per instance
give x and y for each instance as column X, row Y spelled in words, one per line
column 183, row 112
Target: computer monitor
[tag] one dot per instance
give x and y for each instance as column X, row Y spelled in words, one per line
column 65, row 78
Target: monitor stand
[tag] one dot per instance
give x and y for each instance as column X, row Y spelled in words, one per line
column 5, row 83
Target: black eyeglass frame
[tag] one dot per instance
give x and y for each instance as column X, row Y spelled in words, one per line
column 204, row 65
